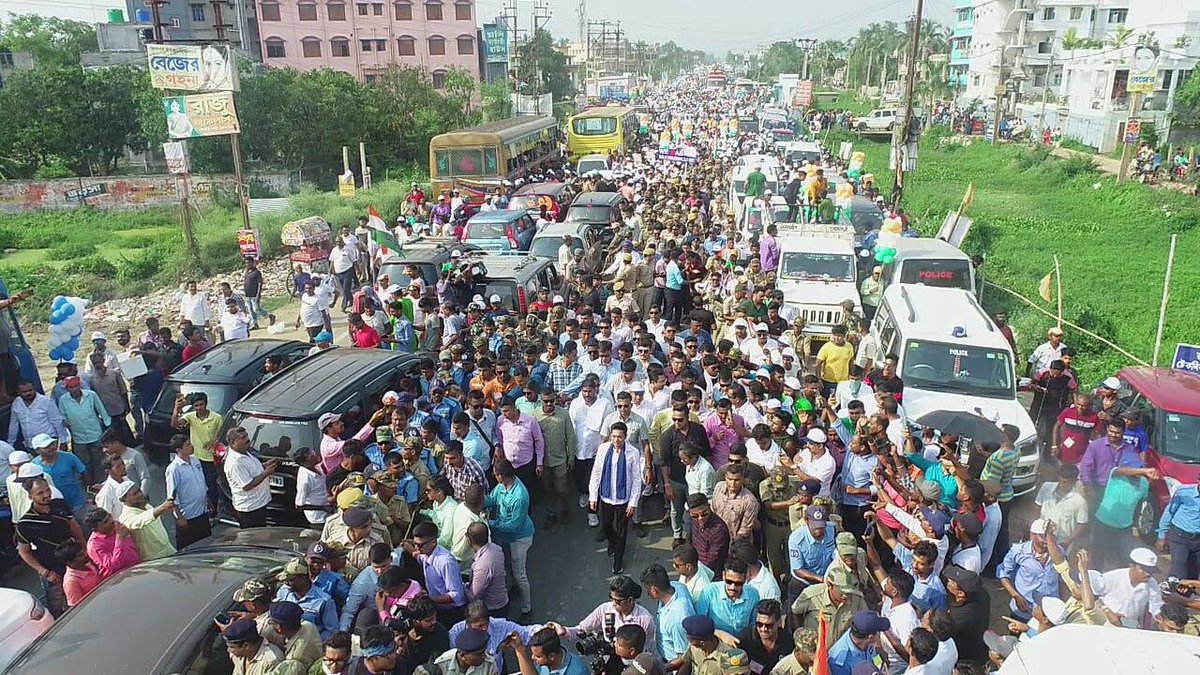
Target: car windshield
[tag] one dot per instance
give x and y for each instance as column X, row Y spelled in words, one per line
column 527, row 202
column 817, row 266
column 271, row 437
column 960, row 369
column 487, row 229
column 547, row 247
column 588, row 214
column 587, row 166
column 1179, row 437
column 779, row 214
column 594, row 126
column 940, row 273
column 396, row 274
column 221, row 397
column 507, row 290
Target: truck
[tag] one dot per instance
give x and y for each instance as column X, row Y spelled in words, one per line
column 614, row 88
column 817, row 273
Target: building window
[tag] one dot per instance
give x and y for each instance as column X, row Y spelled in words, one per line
column 1165, row 81
column 175, row 23
column 403, row 11
column 363, row 9
column 6, row 57
column 433, row 11
column 336, row 11
column 1076, row 13
column 462, row 11
column 407, row 46
column 437, row 46
column 197, row 13
column 1048, row 14
column 381, row 45
column 439, row 79
column 466, row 44
column 311, row 47
column 275, row 49
column 1045, row 48
column 377, row 8
column 268, row 11
column 365, row 45
column 1183, row 77
column 339, row 46
column 1117, row 15
column 370, row 78
column 307, row 11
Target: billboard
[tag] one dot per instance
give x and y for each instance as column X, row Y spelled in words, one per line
column 802, row 94
column 1187, row 359
column 495, row 43
column 199, row 115
column 192, row 68
column 1143, row 72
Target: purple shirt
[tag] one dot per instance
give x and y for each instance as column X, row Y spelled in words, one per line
column 768, row 253
column 721, row 438
column 488, row 577
column 1100, row 459
column 521, row 441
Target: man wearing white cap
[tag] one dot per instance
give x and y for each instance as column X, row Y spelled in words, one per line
column 1050, row 350
column 23, row 472
column 145, row 523
column 100, row 346
column 761, row 348
column 66, row 469
column 32, row 414
column 816, row 462
column 1027, row 573
column 1131, row 591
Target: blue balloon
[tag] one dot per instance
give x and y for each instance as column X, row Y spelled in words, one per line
column 59, row 301
column 56, row 353
column 73, row 343
column 56, row 317
column 68, row 309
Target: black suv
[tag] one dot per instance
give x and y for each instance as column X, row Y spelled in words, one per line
column 281, row 414
column 429, row 257
column 596, row 207
column 225, row 373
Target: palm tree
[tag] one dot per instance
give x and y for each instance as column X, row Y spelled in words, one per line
column 1121, row 36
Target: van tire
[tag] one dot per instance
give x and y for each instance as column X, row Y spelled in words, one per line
column 1145, row 521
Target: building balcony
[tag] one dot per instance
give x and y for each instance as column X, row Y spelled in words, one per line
column 960, row 56
column 963, row 4
column 963, row 29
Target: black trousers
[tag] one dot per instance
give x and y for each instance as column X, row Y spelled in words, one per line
column 673, row 305
column 197, row 528
column 528, row 474
column 581, row 473
column 255, row 518
column 1185, row 552
column 616, row 528
column 853, row 520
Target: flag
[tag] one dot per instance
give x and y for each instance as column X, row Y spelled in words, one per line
column 821, row 656
column 380, row 235
column 968, row 198
column 1044, row 287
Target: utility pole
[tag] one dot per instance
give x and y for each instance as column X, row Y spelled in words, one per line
column 1135, row 109
column 156, row 14
column 806, row 45
column 541, row 14
column 1000, row 92
column 219, row 24
column 900, row 134
column 1045, row 94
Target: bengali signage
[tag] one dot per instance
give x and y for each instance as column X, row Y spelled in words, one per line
column 346, row 184
column 1143, row 72
column 86, row 191
column 495, row 43
column 176, row 154
column 802, row 96
column 1187, row 359
column 1133, row 131
column 192, row 68
column 248, row 244
column 200, row 115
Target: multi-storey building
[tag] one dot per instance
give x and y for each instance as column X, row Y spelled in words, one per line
column 364, row 37
column 196, row 21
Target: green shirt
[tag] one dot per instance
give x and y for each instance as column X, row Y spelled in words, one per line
column 558, row 434
column 1001, row 466
column 755, row 183
column 203, row 433
column 148, row 533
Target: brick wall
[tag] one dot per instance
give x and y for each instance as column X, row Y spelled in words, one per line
column 122, row 192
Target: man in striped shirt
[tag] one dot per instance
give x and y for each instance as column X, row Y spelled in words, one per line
column 1001, row 466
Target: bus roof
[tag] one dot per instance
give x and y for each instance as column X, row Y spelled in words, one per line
column 504, row 131
column 606, row 111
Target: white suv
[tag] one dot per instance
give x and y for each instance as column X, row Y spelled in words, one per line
column 878, row 120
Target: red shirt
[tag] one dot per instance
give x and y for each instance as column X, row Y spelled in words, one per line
column 1076, row 433
column 366, row 337
column 190, row 352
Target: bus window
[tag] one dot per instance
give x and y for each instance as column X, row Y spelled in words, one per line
column 594, row 126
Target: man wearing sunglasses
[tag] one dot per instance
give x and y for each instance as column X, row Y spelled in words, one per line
column 729, row 604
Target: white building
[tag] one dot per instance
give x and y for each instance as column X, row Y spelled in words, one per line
column 1018, row 43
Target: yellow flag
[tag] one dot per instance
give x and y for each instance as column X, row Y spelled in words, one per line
column 1044, row 287
column 968, row 199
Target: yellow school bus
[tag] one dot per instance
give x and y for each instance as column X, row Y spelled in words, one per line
column 491, row 152
column 599, row 130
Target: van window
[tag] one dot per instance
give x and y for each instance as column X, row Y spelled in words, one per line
column 940, row 273
column 589, row 214
column 277, row 437
column 548, row 277
column 886, row 334
column 961, row 369
column 505, row 288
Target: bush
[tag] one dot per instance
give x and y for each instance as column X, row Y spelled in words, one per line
column 67, row 251
column 141, row 265
column 96, row 265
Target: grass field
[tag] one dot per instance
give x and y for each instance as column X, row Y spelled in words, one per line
column 1111, row 240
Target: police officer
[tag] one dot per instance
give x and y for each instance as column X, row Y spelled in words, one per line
column 777, row 494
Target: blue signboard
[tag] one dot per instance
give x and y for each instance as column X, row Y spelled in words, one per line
column 495, row 42
column 1187, row 359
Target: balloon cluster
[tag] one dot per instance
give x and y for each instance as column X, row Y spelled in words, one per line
column 855, row 168
column 889, row 236
column 66, row 325
column 845, row 194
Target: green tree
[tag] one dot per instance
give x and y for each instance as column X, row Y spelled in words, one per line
column 781, row 57
column 1186, row 110
column 52, row 41
column 458, row 91
column 497, row 101
column 827, row 59
column 1121, row 36
column 542, row 69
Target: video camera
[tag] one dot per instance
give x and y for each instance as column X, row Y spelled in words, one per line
column 599, row 650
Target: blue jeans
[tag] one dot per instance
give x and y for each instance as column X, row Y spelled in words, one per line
column 255, row 309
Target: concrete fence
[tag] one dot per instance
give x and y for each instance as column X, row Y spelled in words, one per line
column 125, row 192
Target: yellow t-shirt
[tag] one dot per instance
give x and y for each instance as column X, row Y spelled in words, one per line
column 203, row 433
column 836, row 361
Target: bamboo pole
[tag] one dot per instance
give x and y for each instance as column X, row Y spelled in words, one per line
column 1162, row 308
column 1058, row 278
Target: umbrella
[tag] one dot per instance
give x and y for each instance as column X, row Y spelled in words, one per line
column 961, row 423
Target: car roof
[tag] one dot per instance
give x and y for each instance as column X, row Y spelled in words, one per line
column 499, row 266
column 226, row 361
column 499, row 216
column 1169, row 390
column 815, row 245
column 594, row 155
column 426, row 252
column 151, row 636
column 933, row 313
column 597, row 199
column 15, row 605
column 320, row 381
column 927, row 247
column 575, row 229
column 554, row 188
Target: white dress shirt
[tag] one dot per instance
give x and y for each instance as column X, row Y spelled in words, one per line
column 240, row 469
column 195, row 308
column 629, row 460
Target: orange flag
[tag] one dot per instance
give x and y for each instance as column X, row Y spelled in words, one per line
column 821, row 657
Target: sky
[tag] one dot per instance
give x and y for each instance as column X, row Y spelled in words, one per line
column 710, row 25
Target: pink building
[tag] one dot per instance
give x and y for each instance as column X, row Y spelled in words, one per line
column 365, row 37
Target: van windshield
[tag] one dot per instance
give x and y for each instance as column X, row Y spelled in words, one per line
column 547, row 247
column 817, row 266
column 1179, row 437
column 589, row 214
column 587, row 166
column 960, row 369
column 933, row 272
column 275, row 437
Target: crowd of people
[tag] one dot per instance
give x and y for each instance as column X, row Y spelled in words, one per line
column 811, row 523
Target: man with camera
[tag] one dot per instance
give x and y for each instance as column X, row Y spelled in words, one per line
column 546, row 655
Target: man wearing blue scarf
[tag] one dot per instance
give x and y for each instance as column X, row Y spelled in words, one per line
column 614, row 490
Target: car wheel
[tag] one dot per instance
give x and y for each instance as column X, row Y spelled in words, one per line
column 890, row 126
column 1145, row 521
column 862, row 126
